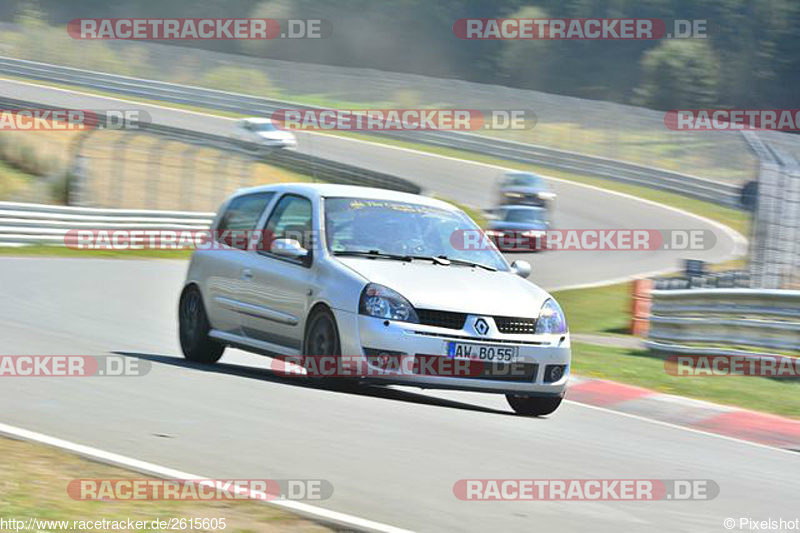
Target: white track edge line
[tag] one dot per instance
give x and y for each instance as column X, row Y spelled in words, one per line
column 303, row 509
column 684, row 428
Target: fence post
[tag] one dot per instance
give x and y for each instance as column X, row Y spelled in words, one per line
column 77, row 174
column 116, row 180
column 188, row 159
column 154, row 164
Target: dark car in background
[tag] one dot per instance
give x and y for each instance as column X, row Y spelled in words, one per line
column 524, row 188
column 519, row 228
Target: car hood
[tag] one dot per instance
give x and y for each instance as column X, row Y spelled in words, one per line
column 454, row 288
column 276, row 135
column 522, row 190
column 499, row 224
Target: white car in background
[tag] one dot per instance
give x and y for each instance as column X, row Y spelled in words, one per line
column 263, row 132
column 375, row 275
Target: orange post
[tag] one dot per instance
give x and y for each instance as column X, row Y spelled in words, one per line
column 640, row 307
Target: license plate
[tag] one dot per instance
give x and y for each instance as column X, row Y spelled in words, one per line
column 482, row 352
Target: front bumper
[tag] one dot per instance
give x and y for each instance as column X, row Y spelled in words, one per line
column 416, row 342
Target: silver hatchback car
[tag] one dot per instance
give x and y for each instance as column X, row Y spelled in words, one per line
column 399, row 286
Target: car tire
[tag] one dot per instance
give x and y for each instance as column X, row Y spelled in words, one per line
column 533, row 405
column 193, row 328
column 321, row 339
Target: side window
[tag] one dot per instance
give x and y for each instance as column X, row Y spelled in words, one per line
column 241, row 217
column 291, row 219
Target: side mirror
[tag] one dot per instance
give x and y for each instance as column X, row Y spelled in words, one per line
column 521, row 268
column 288, row 248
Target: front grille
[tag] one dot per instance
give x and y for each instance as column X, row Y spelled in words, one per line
column 451, row 320
column 441, row 319
column 515, row 325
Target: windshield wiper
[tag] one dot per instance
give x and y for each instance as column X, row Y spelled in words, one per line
column 438, row 259
column 467, row 263
column 373, row 254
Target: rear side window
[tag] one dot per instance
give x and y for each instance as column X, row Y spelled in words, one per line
column 241, row 217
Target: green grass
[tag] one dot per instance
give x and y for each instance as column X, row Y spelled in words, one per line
column 638, row 367
column 35, row 479
column 597, row 311
column 61, row 251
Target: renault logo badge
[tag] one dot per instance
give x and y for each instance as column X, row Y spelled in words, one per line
column 481, row 326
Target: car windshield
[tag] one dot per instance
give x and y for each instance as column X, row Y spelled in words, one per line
column 403, row 229
column 524, row 180
column 263, row 126
column 523, row 215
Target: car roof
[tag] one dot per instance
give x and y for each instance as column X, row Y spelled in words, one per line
column 257, row 120
column 330, row 190
column 521, row 173
column 517, row 207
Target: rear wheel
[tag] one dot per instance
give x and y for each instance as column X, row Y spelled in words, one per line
column 533, row 405
column 193, row 327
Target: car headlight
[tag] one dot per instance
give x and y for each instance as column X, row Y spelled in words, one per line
column 383, row 302
column 551, row 318
column 533, row 233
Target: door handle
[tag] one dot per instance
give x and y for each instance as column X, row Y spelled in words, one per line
column 247, row 274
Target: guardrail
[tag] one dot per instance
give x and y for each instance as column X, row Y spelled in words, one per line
column 728, row 279
column 22, row 224
column 744, row 322
column 687, row 185
column 317, row 167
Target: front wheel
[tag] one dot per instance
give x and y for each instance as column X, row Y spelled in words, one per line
column 322, row 345
column 533, row 405
column 193, row 328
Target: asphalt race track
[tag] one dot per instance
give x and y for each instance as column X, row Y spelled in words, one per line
column 392, row 455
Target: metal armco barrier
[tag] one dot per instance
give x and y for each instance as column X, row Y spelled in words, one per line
column 317, row 167
column 745, row 322
column 22, row 224
column 687, row 185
